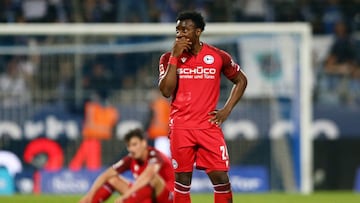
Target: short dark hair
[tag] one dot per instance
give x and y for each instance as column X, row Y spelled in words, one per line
column 195, row 16
column 137, row 132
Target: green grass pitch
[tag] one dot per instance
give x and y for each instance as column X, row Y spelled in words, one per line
column 323, row 197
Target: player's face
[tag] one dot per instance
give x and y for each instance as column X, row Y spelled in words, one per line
column 136, row 147
column 187, row 29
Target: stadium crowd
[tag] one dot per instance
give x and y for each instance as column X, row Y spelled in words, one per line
column 338, row 74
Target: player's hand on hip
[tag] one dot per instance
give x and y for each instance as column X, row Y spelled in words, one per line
column 218, row 116
column 181, row 44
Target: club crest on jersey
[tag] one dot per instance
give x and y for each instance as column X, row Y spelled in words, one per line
column 208, row 59
column 136, row 167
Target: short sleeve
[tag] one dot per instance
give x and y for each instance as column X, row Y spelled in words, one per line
column 229, row 68
column 155, row 157
column 122, row 165
column 163, row 64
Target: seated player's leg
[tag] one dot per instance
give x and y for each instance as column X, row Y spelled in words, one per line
column 145, row 194
column 156, row 190
column 163, row 194
column 119, row 184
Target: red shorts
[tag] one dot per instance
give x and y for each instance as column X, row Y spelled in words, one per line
column 206, row 148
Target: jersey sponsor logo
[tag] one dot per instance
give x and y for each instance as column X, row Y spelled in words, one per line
column 197, row 73
column 208, row 59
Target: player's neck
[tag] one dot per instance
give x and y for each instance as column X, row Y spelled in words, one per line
column 197, row 48
column 145, row 155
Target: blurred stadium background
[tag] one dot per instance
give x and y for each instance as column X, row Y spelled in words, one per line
column 49, row 71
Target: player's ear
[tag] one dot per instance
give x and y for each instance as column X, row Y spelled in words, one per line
column 144, row 142
column 198, row 32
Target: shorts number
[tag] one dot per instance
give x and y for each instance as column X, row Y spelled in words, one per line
column 224, row 152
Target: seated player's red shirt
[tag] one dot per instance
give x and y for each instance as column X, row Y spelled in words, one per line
column 137, row 167
column 198, row 87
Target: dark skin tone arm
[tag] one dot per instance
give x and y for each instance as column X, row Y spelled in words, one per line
column 168, row 83
column 240, row 83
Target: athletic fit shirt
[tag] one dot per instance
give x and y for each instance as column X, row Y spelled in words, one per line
column 198, row 87
column 137, row 167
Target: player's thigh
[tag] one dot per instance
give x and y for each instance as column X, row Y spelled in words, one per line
column 212, row 153
column 158, row 183
column 182, row 146
column 120, row 183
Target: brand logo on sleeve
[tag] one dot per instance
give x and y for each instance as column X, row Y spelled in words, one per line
column 183, row 59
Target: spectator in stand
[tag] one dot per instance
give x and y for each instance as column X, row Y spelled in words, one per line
column 331, row 15
column 98, row 11
column 98, row 80
column 251, row 10
column 9, row 10
column 14, row 90
column 39, row 11
column 128, row 10
column 340, row 62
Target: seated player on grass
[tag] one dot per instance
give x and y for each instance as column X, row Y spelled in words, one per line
column 152, row 171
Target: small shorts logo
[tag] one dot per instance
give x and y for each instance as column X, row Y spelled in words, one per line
column 174, row 163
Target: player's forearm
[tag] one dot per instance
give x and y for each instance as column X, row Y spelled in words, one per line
column 143, row 180
column 168, row 83
column 236, row 92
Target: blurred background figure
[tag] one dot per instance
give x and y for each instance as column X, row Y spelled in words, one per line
column 14, row 90
column 99, row 124
column 158, row 123
column 340, row 63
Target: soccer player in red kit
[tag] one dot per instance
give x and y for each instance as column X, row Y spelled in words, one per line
column 152, row 171
column 190, row 73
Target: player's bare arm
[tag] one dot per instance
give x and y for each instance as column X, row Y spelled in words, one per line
column 240, row 83
column 168, row 82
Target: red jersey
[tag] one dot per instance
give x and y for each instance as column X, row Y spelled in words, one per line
column 198, row 87
column 137, row 167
